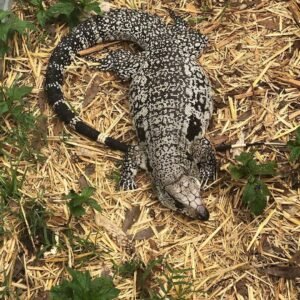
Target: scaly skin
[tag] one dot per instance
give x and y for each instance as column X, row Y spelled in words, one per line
column 169, row 99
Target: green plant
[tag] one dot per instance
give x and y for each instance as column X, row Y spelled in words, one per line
column 294, row 147
column 83, row 287
column 255, row 191
column 9, row 24
column 21, row 122
column 10, row 183
column 77, row 201
column 68, row 11
column 11, row 100
column 147, row 272
column 81, row 244
column 42, row 236
column 115, row 176
column 41, row 13
column 128, row 268
column 6, row 291
column 196, row 20
column 173, row 283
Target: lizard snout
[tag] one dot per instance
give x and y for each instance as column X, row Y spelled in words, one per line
column 185, row 193
column 203, row 213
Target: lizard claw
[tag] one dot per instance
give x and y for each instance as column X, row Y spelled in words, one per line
column 127, row 184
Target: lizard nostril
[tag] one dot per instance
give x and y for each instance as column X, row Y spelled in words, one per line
column 203, row 214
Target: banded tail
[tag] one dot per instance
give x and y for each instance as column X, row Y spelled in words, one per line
column 118, row 24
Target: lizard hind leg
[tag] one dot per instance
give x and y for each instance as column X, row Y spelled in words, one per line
column 179, row 22
column 122, row 62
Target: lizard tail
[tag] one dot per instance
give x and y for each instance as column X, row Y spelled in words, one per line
column 117, row 24
column 83, row 36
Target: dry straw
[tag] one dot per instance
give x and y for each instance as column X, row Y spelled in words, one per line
column 253, row 63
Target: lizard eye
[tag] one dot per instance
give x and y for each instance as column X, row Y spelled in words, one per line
column 194, row 180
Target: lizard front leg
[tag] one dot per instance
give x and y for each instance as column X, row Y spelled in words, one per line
column 122, row 62
column 204, row 159
column 134, row 160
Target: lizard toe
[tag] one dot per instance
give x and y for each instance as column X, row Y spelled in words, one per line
column 127, row 185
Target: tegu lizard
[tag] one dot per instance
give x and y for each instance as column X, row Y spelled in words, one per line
column 169, row 96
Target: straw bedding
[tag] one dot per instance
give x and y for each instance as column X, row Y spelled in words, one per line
column 253, row 63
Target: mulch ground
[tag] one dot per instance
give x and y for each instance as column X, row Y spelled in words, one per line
column 253, row 63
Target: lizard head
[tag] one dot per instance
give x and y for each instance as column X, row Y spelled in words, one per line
column 185, row 193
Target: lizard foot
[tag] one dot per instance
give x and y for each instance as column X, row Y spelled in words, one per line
column 127, row 184
column 129, row 169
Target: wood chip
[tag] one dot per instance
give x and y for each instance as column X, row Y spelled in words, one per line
column 284, row 272
column 295, row 10
column 296, row 258
column 92, row 90
column 147, row 233
column 116, row 233
column 131, row 217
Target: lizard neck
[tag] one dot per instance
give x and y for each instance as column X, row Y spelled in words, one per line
column 168, row 164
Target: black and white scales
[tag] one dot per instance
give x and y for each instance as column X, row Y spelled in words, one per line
column 170, row 101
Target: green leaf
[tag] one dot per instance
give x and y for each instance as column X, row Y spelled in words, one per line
column 17, row 93
column 4, row 14
column 104, row 289
column 128, row 268
column 295, row 153
column 41, row 14
column 68, row 11
column 242, row 170
column 38, row 3
column 4, row 30
column 244, row 157
column 19, row 25
column 9, row 23
column 255, row 196
column 61, row 8
column 42, row 17
column 237, row 172
column 294, row 147
column 298, row 136
column 3, row 48
column 83, row 287
column 265, row 169
column 94, row 204
column 78, row 200
column 88, row 192
column 249, row 167
column 72, row 195
column 92, row 6
column 255, row 192
column 3, row 108
column 8, row 102
column 76, row 211
column 15, row 109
